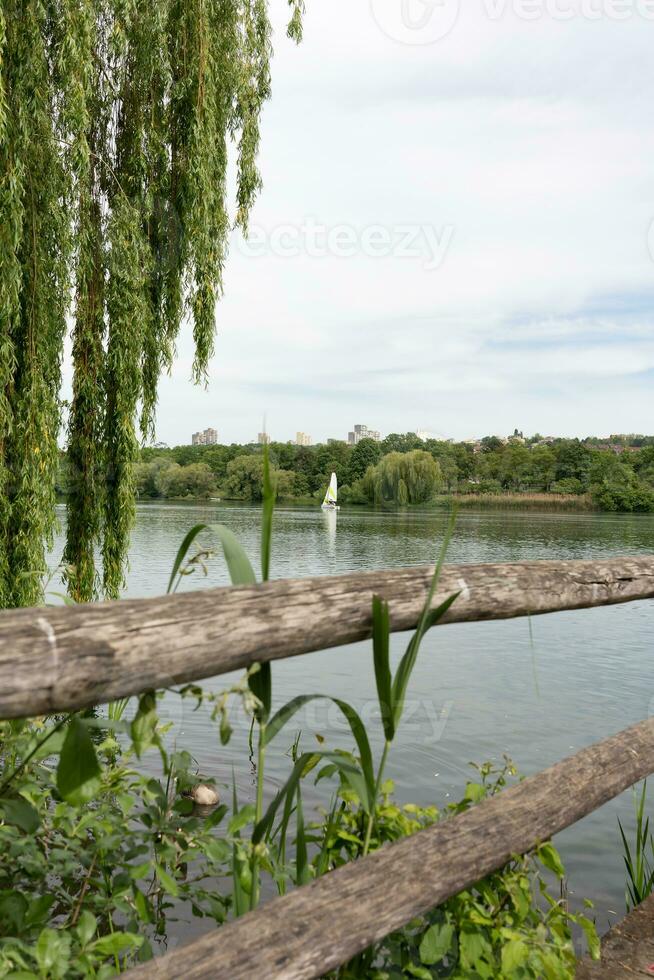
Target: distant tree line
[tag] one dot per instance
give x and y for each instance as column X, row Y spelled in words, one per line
column 403, row 470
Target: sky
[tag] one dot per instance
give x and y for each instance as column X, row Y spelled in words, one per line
column 455, row 232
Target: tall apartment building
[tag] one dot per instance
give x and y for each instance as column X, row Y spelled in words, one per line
column 263, row 438
column 302, row 439
column 362, row 432
column 207, row 438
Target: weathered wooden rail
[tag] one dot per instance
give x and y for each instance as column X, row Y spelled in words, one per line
column 60, row 659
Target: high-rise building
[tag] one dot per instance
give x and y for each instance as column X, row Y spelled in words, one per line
column 362, row 432
column 263, row 439
column 207, row 438
column 302, row 439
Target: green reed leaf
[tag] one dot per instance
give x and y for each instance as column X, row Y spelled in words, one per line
column 238, row 563
column 182, row 552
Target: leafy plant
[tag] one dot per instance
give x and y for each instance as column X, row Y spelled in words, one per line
column 97, row 848
column 507, row 925
column 639, row 859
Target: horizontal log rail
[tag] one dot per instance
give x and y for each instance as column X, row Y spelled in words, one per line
column 322, row 925
column 60, row 659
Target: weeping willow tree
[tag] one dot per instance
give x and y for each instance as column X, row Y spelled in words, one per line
column 117, row 120
column 403, row 478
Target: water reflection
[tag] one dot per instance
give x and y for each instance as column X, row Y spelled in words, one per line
column 330, row 517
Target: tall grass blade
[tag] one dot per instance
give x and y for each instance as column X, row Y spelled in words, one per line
column 302, row 874
column 173, row 581
column 428, row 619
column 260, row 683
column 116, row 709
column 408, row 661
column 239, row 899
column 351, row 773
column 425, row 623
column 66, row 599
column 267, row 516
column 381, row 630
column 638, row 864
column 323, row 857
column 281, row 831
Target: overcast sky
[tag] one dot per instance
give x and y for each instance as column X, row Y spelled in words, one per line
column 454, row 232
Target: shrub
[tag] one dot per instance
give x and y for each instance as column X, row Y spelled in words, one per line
column 637, row 499
column 568, row 485
column 194, row 480
column 482, row 486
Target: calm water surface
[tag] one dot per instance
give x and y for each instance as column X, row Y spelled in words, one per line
column 479, row 690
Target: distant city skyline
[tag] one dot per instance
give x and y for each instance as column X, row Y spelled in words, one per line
column 362, row 432
column 304, row 439
column 207, row 437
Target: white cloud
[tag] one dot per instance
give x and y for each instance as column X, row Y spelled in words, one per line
column 534, row 142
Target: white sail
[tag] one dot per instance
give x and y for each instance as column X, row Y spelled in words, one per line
column 332, row 493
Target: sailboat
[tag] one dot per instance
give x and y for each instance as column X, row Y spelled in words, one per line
column 329, row 503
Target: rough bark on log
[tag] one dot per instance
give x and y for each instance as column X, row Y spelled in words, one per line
column 59, row 659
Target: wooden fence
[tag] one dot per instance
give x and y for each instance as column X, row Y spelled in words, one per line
column 54, row 660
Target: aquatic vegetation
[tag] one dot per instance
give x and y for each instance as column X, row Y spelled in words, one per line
column 522, row 501
column 639, row 857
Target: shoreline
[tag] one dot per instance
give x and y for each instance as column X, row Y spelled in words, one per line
column 508, row 502
column 546, row 502
column 577, row 503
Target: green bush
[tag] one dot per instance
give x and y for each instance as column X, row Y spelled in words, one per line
column 568, row 485
column 630, row 499
column 163, row 478
column 92, row 853
column 483, row 486
column 497, row 928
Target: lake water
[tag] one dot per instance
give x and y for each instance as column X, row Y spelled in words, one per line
column 479, row 690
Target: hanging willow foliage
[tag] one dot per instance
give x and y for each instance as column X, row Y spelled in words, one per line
column 116, row 119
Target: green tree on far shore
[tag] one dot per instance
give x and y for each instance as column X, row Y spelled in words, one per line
column 619, row 479
column 403, row 478
column 245, row 479
column 366, row 453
